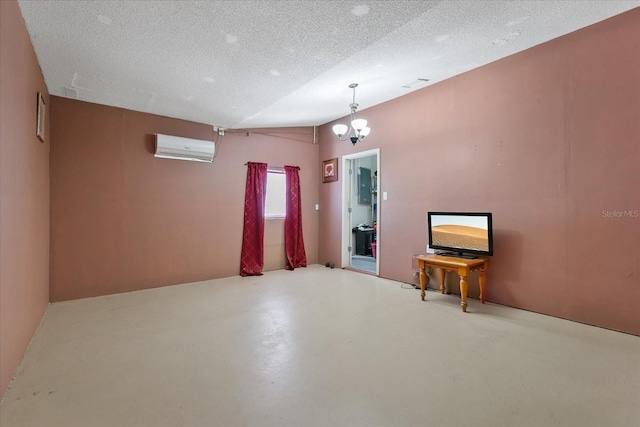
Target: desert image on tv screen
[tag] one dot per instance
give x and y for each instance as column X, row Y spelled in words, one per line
column 460, row 236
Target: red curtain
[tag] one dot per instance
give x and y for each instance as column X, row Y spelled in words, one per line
column 252, row 257
column 293, row 242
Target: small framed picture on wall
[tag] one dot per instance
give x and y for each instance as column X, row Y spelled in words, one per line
column 41, row 118
column 330, row 170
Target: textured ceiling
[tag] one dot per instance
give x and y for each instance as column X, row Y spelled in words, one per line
column 248, row 64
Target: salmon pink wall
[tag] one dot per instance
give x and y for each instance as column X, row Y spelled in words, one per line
column 549, row 141
column 123, row 220
column 24, row 191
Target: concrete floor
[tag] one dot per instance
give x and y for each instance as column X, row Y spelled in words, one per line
column 317, row 347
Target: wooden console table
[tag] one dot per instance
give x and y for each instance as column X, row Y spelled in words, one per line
column 460, row 265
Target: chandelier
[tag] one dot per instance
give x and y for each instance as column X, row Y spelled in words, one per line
column 358, row 128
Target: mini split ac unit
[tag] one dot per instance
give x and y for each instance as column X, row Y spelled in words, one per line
column 175, row 147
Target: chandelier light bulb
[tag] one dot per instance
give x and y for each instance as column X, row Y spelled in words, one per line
column 364, row 132
column 340, row 129
column 359, row 124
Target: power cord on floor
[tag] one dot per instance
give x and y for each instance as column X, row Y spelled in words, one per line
column 414, row 287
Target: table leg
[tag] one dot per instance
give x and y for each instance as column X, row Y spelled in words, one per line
column 482, row 279
column 464, row 287
column 443, row 272
column 423, row 281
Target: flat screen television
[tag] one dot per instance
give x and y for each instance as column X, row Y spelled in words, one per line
column 461, row 234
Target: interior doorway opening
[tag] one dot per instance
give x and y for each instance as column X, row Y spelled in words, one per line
column 361, row 215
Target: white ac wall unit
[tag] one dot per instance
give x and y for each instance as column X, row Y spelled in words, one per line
column 176, row 147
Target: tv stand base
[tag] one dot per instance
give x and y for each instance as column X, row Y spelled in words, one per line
column 457, row 255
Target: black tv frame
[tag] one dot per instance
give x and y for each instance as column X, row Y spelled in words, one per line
column 462, row 252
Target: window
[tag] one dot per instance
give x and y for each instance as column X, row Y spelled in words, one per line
column 276, row 188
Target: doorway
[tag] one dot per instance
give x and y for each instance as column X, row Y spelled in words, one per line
column 361, row 216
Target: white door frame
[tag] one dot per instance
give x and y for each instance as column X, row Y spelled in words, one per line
column 346, row 226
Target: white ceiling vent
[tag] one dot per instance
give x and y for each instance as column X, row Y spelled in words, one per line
column 175, row 147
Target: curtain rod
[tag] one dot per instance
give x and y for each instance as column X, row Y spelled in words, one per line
column 272, row 167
